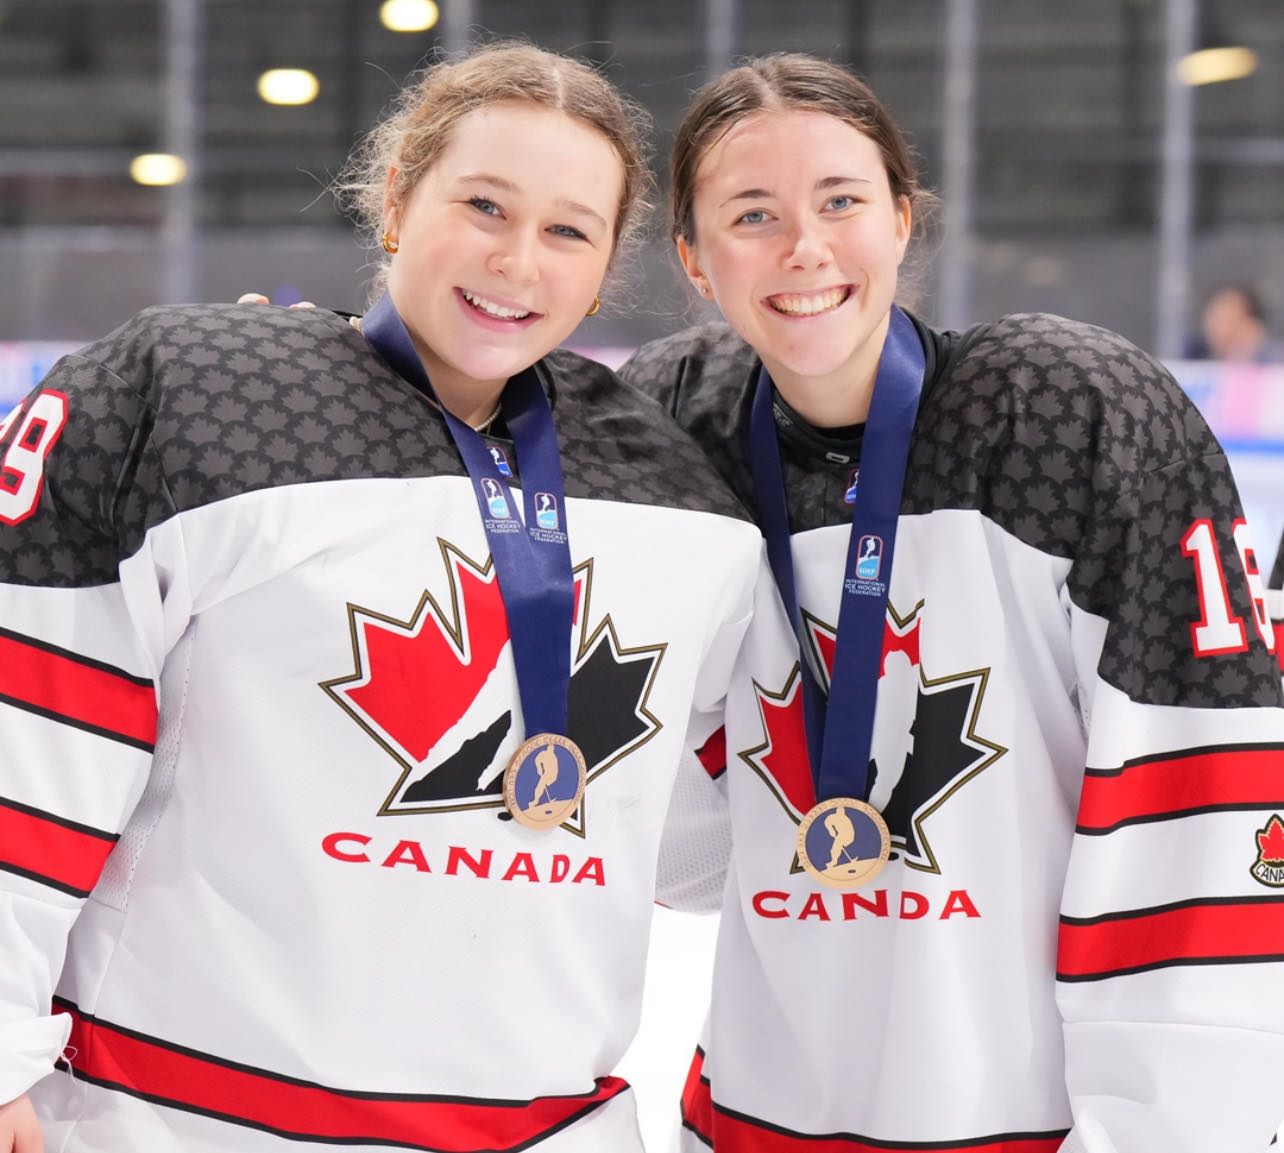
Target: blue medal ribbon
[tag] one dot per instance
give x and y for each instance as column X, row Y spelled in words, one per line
column 840, row 739
column 533, row 561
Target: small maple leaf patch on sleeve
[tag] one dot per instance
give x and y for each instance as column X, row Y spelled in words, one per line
column 1269, row 866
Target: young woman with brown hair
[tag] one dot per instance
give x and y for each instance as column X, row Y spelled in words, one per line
column 1008, row 849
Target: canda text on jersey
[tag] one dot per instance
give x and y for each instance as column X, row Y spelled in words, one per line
column 553, row 868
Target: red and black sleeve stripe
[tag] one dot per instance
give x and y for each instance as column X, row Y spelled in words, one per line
column 77, row 691
column 727, row 1131
column 1207, row 931
column 115, row 1057
column 697, row 1100
column 1223, row 778
column 713, row 754
column 43, row 847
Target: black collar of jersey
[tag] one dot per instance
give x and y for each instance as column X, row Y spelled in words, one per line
column 834, row 445
column 841, row 446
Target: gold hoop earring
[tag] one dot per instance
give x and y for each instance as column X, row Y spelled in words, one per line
column 597, row 307
column 390, row 246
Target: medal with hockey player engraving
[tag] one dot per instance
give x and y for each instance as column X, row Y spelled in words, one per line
column 842, row 840
column 544, row 781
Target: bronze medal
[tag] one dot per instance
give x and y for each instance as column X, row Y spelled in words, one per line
column 843, row 843
column 544, row 781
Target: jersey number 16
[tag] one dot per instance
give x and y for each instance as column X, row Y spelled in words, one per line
column 1220, row 629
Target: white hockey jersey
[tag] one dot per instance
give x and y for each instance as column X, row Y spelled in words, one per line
column 257, row 697
column 1079, row 751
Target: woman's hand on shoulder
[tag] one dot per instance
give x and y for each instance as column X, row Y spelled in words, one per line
column 19, row 1129
column 258, row 298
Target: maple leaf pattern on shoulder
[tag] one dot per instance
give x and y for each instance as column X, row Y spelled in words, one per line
column 1084, row 447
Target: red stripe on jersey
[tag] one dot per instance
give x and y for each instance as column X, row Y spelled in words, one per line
column 713, row 754
column 727, row 1132
column 166, row 1074
column 1234, row 777
column 1279, row 643
column 87, row 694
column 1201, row 932
column 58, row 853
column 697, row 1104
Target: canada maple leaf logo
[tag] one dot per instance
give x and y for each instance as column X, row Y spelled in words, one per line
column 1270, row 842
column 438, row 690
column 925, row 743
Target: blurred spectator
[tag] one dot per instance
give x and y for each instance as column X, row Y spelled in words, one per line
column 1233, row 327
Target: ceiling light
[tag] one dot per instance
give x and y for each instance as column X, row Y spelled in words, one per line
column 408, row 15
column 288, row 86
column 157, row 169
column 1214, row 65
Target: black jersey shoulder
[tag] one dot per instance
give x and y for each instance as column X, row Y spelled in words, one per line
column 293, row 397
column 1084, row 447
column 1036, row 420
column 182, row 407
column 244, row 397
column 618, row 443
column 704, row 377
column 693, row 370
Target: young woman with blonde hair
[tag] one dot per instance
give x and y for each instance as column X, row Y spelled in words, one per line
column 332, row 784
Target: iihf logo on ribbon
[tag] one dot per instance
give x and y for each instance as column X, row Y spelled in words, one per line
column 869, row 558
column 546, row 511
column 501, row 461
column 495, row 500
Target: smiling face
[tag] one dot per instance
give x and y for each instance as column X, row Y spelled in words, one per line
column 798, row 238
column 503, row 244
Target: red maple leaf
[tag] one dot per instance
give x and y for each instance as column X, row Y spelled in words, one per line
column 1270, row 842
column 784, row 755
column 416, row 678
column 894, row 642
column 420, row 676
column 826, row 643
